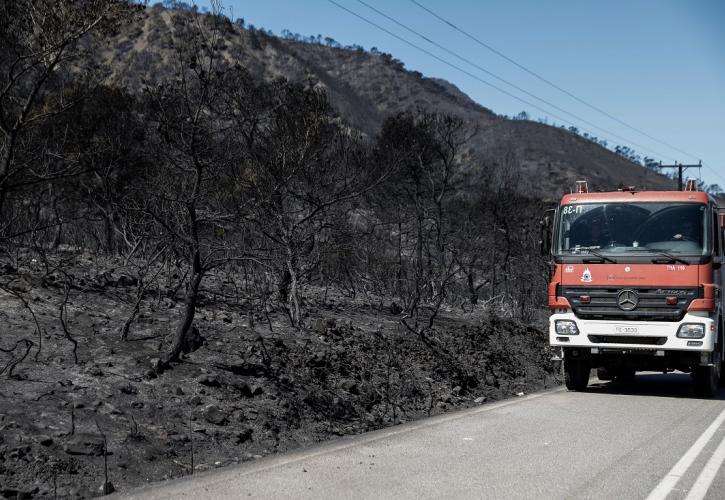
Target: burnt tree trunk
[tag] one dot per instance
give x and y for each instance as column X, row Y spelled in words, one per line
column 187, row 319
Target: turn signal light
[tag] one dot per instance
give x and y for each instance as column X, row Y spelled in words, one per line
column 671, row 301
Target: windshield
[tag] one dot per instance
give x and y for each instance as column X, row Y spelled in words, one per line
column 633, row 228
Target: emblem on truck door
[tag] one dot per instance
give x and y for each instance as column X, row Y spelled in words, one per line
column 627, row 300
column 586, row 276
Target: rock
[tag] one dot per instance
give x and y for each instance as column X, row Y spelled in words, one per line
column 7, row 268
column 480, row 400
column 244, row 388
column 45, row 440
column 180, row 438
column 331, row 323
column 196, row 401
column 128, row 388
column 395, row 308
column 84, row 444
column 94, row 371
column 17, row 493
column 350, row 386
column 19, row 285
column 106, row 488
column 19, row 452
column 150, row 374
column 456, row 390
column 214, row 415
column 441, row 405
column 209, row 380
column 257, row 390
column 226, row 319
column 243, row 436
column 179, row 391
column 157, row 365
column 319, row 326
column 126, row 280
column 318, row 359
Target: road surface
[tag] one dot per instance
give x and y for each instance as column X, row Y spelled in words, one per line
column 652, row 439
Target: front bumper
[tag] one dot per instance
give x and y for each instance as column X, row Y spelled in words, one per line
column 634, row 335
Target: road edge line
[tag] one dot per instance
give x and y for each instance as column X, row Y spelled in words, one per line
column 707, row 476
column 671, row 479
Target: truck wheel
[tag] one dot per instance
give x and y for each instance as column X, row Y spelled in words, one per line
column 706, row 381
column 576, row 374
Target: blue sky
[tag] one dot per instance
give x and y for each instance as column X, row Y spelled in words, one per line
column 657, row 65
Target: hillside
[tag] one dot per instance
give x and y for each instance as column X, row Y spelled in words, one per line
column 365, row 88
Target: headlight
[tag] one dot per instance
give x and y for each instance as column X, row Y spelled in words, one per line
column 691, row 331
column 566, row 327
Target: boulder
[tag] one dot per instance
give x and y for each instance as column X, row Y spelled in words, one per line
column 209, row 380
column 84, row 444
column 215, row 415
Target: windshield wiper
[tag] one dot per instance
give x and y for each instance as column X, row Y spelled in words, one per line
column 663, row 253
column 669, row 256
column 599, row 258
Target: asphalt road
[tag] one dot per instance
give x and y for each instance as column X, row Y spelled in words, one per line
column 651, row 439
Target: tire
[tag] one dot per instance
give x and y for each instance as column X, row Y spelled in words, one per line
column 576, row 374
column 707, row 380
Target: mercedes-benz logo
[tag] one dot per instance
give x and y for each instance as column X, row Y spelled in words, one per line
column 627, row 300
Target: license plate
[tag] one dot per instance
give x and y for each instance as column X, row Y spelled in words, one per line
column 626, row 329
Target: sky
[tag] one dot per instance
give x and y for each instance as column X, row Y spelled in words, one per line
column 655, row 65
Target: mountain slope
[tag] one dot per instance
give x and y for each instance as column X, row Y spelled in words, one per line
column 365, row 88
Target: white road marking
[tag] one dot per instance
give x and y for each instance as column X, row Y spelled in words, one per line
column 706, row 477
column 678, row 470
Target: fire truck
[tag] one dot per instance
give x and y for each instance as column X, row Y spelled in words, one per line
column 636, row 285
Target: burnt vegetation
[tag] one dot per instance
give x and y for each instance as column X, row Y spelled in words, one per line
column 212, row 267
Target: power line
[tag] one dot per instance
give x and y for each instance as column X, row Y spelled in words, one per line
column 468, row 73
column 549, row 82
column 563, row 90
column 548, row 103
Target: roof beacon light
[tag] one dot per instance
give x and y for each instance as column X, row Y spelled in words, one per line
column 581, row 187
column 691, row 184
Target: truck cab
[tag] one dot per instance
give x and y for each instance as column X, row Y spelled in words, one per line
column 636, row 285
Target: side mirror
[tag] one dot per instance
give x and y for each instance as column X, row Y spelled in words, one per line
column 545, row 235
column 545, row 232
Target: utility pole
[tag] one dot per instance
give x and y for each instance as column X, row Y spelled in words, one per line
column 681, row 168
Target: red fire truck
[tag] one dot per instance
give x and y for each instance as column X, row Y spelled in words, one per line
column 636, row 285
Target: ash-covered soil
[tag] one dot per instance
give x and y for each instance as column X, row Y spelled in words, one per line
column 249, row 385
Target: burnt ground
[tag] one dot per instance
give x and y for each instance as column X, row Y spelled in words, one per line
column 243, row 391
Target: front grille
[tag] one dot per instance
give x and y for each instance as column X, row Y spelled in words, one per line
column 626, row 339
column 652, row 304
